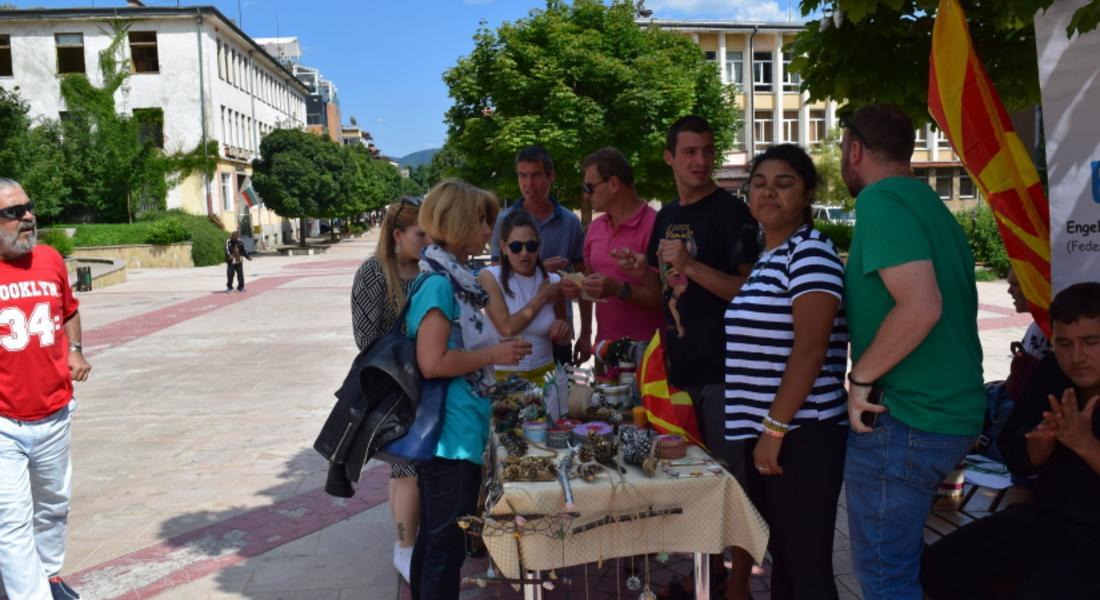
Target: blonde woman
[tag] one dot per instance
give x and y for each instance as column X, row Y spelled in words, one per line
column 377, row 297
column 453, row 341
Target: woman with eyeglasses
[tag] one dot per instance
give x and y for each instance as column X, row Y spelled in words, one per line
column 786, row 351
column 379, row 293
column 525, row 300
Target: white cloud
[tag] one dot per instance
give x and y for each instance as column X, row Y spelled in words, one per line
column 746, row 10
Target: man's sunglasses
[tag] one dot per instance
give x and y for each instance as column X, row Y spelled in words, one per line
column 17, row 212
column 846, row 123
column 531, row 245
column 590, row 188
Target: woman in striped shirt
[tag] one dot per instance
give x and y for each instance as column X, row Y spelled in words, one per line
column 786, row 347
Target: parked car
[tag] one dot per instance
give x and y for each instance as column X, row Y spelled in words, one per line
column 834, row 214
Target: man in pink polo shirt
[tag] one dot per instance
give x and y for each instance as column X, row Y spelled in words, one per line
column 628, row 309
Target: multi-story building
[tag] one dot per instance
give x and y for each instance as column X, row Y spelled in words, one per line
column 323, row 102
column 755, row 58
column 193, row 69
column 353, row 135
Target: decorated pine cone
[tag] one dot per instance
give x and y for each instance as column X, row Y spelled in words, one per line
column 636, row 445
column 514, row 443
column 528, row 468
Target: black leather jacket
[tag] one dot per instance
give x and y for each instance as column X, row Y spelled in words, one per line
column 373, row 407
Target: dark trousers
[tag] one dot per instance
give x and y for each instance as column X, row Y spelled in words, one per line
column 563, row 354
column 1041, row 554
column 230, row 270
column 800, row 508
column 448, row 491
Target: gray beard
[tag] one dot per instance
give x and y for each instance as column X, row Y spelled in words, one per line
column 12, row 247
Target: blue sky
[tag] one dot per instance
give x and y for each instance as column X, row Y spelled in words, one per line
column 387, row 57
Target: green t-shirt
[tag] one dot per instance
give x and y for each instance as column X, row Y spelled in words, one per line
column 938, row 387
column 466, row 415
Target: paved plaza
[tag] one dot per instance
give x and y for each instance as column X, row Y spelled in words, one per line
column 194, row 473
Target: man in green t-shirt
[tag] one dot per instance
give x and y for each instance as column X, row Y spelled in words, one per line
column 911, row 304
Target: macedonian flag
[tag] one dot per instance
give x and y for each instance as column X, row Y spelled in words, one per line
column 668, row 409
column 963, row 102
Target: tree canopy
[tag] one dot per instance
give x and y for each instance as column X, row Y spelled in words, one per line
column 867, row 51
column 300, row 175
column 575, row 77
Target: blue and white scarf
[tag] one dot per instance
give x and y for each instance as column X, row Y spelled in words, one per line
column 471, row 299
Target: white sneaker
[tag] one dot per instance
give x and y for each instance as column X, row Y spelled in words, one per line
column 402, row 559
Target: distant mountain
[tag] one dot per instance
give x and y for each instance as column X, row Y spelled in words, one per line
column 416, row 159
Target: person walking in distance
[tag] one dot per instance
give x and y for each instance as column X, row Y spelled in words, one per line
column 40, row 357
column 234, row 252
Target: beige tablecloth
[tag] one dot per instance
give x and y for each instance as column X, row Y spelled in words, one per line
column 716, row 514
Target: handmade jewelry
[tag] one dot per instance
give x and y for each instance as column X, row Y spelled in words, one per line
column 775, row 428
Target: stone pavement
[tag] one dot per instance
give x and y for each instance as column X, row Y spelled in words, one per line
column 194, row 473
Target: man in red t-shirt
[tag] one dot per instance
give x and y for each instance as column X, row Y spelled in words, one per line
column 40, row 357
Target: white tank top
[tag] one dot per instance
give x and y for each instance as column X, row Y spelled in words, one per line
column 537, row 331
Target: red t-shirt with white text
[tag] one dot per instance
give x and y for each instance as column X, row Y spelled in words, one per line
column 35, row 302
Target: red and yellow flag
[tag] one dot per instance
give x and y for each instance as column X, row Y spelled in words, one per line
column 668, row 409
column 967, row 108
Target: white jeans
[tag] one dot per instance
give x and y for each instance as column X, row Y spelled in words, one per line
column 35, row 477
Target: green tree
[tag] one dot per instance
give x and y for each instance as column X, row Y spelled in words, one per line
column 879, row 51
column 831, row 189
column 32, row 156
column 297, row 176
column 574, row 77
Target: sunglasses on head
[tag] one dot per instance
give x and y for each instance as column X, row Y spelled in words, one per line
column 17, row 212
column 532, row 246
column 413, row 201
column 846, row 123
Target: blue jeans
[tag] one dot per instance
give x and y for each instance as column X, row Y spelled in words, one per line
column 891, row 476
column 448, row 491
column 35, row 477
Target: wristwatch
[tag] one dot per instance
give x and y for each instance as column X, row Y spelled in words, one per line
column 76, row 346
column 624, row 291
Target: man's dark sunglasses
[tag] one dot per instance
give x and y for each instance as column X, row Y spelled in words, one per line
column 17, row 212
column 589, row 188
column 846, row 123
column 531, row 245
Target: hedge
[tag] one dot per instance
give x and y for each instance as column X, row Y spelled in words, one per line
column 162, row 227
column 839, row 233
column 981, row 231
column 58, row 240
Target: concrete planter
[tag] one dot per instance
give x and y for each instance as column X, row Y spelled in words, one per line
column 139, row 256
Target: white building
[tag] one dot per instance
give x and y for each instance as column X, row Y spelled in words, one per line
column 207, row 79
column 755, row 59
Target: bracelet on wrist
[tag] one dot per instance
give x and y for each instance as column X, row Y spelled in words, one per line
column 855, row 382
column 774, row 427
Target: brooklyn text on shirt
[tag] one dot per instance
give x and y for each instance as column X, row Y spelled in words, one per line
column 29, row 289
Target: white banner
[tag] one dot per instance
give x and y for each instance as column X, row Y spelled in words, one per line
column 1069, row 77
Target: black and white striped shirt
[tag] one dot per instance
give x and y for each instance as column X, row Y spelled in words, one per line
column 760, row 334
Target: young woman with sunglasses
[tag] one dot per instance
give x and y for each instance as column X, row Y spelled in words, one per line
column 377, row 297
column 525, row 300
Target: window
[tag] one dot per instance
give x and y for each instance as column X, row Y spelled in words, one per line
column 143, row 52
column 5, row 55
column 920, row 140
column 763, row 127
column 790, row 126
column 791, row 81
column 943, row 183
column 762, row 71
column 966, row 186
column 943, row 142
column 817, row 126
column 227, row 192
column 710, row 56
column 923, row 175
column 70, row 52
column 735, row 66
column 150, row 126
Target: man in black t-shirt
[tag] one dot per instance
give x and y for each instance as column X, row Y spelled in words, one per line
column 703, row 246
